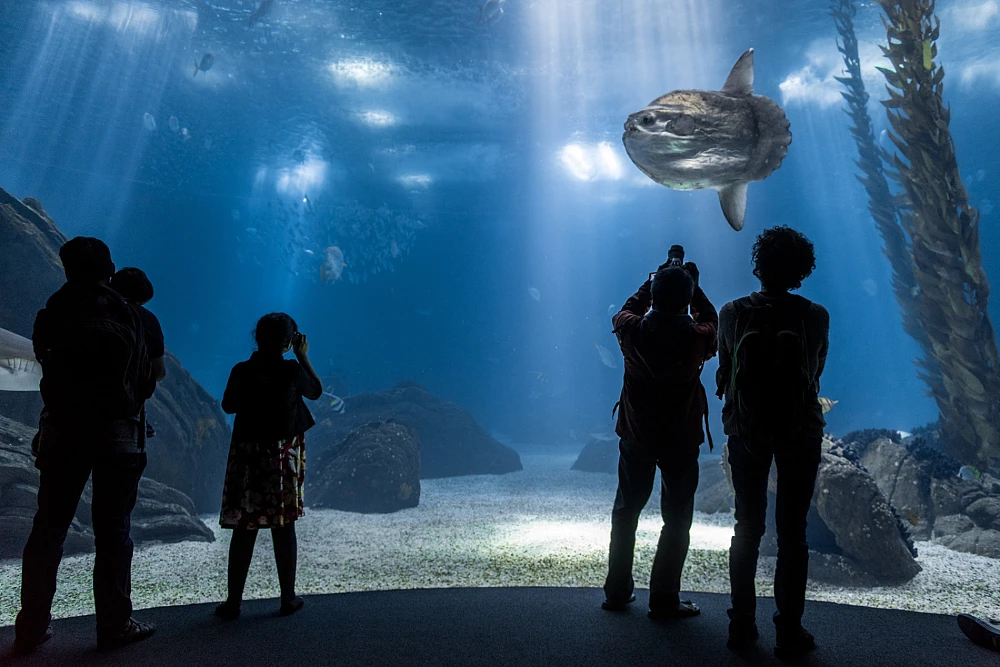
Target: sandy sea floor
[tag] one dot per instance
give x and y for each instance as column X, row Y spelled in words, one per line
column 545, row 526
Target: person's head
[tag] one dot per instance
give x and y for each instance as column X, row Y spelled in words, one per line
column 672, row 290
column 86, row 260
column 274, row 333
column 782, row 259
column 133, row 285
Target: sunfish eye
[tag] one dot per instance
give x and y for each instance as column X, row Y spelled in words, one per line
column 647, row 119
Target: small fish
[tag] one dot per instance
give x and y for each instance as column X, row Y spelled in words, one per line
column 986, row 207
column 333, row 266
column 490, row 11
column 206, row 63
column 149, row 122
column 911, row 517
column 336, row 403
column 541, row 377
column 827, row 404
column 263, row 9
column 174, row 124
column 969, row 473
column 606, row 357
column 534, row 294
column 308, row 251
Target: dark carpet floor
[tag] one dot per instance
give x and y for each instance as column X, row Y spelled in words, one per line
column 501, row 626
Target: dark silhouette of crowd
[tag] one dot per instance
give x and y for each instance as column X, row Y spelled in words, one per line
column 772, row 347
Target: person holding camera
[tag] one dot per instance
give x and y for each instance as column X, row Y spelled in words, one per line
column 266, row 468
column 660, row 415
column 772, row 350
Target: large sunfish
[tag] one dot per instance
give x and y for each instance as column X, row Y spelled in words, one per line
column 18, row 369
column 723, row 140
column 262, row 10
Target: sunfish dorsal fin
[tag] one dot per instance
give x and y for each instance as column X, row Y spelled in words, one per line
column 734, row 204
column 740, row 81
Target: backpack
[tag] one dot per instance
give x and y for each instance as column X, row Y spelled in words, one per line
column 770, row 380
column 99, row 366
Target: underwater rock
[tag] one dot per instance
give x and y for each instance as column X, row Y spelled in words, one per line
column 373, row 470
column 161, row 514
column 904, row 481
column 979, row 541
column 985, row 512
column 452, row 443
column 192, row 439
column 598, row 456
column 714, row 491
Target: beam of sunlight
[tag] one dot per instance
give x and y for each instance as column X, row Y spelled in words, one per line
column 362, row 72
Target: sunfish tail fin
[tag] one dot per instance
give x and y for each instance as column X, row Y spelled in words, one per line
column 740, row 81
column 734, row 204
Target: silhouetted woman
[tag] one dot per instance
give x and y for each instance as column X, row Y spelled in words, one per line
column 263, row 487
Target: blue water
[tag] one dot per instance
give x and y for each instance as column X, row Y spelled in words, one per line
column 458, row 165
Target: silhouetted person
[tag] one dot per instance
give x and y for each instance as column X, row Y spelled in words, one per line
column 772, row 349
column 135, row 287
column 265, row 473
column 661, row 411
column 96, row 375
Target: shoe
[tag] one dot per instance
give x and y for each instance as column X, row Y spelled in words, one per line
column 133, row 632
column 24, row 647
column 227, row 610
column 742, row 635
column 983, row 633
column 290, row 607
column 793, row 642
column 684, row 609
column 617, row 605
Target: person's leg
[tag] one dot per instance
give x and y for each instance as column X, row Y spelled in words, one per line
column 116, row 486
column 797, row 463
column 240, row 554
column 636, row 472
column 679, row 481
column 59, row 488
column 285, row 556
column 750, row 467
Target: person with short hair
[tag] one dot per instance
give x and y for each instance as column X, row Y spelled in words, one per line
column 96, row 376
column 660, row 417
column 772, row 351
column 266, row 468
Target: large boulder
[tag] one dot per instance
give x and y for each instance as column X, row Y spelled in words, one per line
column 192, row 439
column 715, row 490
column 451, row 442
column 598, row 455
column 923, row 484
column 374, row 469
column 161, row 514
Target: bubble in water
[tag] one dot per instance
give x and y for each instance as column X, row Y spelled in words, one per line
column 149, row 122
column 174, row 124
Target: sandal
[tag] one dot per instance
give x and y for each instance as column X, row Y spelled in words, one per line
column 290, row 607
column 133, row 632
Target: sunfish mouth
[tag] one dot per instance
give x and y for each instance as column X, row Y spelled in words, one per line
column 18, row 369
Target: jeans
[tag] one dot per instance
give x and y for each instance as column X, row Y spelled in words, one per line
column 797, row 464
column 115, row 487
column 636, row 473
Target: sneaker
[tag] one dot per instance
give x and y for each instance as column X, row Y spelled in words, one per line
column 742, row 635
column 983, row 633
column 133, row 632
column 25, row 646
column 617, row 605
column 793, row 642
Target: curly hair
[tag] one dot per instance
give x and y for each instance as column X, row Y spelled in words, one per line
column 783, row 258
column 274, row 332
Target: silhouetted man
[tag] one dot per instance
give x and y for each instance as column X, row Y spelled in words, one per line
column 96, row 376
column 661, row 411
column 772, row 349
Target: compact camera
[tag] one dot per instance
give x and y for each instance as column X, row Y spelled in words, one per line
column 675, row 256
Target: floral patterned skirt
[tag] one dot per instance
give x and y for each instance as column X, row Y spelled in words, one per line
column 263, row 487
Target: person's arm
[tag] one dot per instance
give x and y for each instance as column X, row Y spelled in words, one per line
column 157, row 350
column 635, row 307
column 232, row 398
column 725, row 350
column 824, row 346
column 310, row 386
column 41, row 335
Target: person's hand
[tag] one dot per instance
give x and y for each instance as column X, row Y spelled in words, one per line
column 301, row 345
column 692, row 269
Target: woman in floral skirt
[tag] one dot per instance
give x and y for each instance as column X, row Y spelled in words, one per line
column 266, row 468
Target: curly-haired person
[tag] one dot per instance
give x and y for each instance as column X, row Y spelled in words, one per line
column 772, row 350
